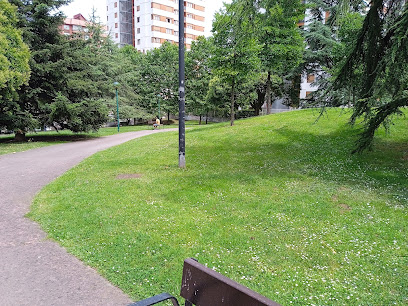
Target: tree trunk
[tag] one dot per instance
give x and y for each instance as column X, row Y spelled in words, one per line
column 268, row 94
column 199, row 123
column 260, row 101
column 206, row 118
column 20, row 136
column 168, row 116
column 233, row 102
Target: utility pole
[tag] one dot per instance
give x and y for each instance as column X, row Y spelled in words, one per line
column 182, row 89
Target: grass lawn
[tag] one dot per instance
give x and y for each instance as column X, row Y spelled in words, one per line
column 276, row 203
column 42, row 139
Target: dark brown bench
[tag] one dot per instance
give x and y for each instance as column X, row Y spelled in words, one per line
column 202, row 286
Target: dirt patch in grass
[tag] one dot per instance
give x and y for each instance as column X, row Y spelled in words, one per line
column 344, row 208
column 129, row 176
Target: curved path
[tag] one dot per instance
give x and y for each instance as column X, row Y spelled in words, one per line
column 34, row 270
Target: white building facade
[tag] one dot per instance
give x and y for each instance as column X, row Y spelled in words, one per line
column 147, row 24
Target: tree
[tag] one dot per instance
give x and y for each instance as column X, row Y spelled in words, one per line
column 159, row 77
column 277, row 30
column 198, row 75
column 376, row 69
column 40, row 33
column 236, row 48
column 14, row 67
column 330, row 33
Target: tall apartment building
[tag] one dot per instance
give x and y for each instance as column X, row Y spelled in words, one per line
column 146, row 24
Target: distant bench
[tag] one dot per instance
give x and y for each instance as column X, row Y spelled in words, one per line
column 202, row 286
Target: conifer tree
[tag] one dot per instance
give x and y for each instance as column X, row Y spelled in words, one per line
column 376, row 69
column 14, row 68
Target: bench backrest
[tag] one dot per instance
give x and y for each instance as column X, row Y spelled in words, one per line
column 202, row 286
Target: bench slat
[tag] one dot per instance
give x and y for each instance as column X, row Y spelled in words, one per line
column 202, row 287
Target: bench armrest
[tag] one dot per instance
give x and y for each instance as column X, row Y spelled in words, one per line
column 156, row 299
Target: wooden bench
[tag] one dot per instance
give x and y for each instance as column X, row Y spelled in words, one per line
column 202, row 286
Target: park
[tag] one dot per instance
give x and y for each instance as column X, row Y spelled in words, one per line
column 304, row 207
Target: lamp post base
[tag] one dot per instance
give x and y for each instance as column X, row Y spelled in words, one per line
column 182, row 161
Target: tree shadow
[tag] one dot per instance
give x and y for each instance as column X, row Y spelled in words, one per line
column 326, row 157
column 49, row 138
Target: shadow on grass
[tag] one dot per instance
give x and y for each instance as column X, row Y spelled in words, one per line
column 325, row 157
column 49, row 138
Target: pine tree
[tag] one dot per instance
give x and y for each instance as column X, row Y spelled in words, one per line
column 14, row 68
column 376, row 70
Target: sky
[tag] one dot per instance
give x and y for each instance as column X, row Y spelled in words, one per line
column 85, row 8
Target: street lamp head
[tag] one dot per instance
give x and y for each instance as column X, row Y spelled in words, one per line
column 116, row 84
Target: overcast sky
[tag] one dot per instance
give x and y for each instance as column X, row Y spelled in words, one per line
column 85, row 8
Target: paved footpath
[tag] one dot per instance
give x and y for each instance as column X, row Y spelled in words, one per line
column 33, row 269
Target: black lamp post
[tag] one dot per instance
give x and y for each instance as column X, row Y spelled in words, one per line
column 182, row 99
column 116, row 84
column 158, row 102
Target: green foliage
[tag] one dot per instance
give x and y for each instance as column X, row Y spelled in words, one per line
column 278, row 32
column 160, row 77
column 376, row 70
column 14, row 68
column 71, row 84
column 198, row 75
column 82, row 116
column 236, row 52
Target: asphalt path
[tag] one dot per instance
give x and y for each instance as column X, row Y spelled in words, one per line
column 33, row 269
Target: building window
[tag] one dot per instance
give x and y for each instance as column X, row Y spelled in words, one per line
column 189, row 26
column 76, row 28
column 310, row 78
column 168, row 20
column 309, row 94
column 116, row 35
column 115, row 5
column 138, row 41
column 66, row 27
column 116, row 15
column 116, row 25
column 176, row 22
column 107, row 8
column 169, row 31
column 138, row 8
column 138, row 30
column 176, row 33
column 189, row 15
column 107, row 18
column 156, row 40
column 138, row 19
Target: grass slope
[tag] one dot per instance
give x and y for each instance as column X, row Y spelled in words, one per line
column 276, row 203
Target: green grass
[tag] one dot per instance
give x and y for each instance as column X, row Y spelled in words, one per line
column 42, row 139
column 276, row 203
